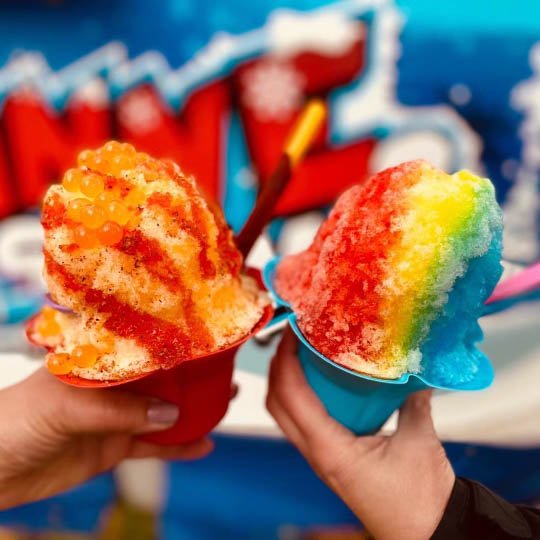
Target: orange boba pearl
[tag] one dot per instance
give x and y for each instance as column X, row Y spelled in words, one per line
column 106, row 344
column 110, row 233
column 98, row 163
column 120, row 163
column 72, row 180
column 151, row 174
column 115, row 192
column 142, row 158
column 84, row 356
column 84, row 158
column 85, row 238
column 133, row 223
column 74, row 208
column 135, row 197
column 117, row 212
column 59, row 363
column 47, row 326
column 91, row 159
column 112, row 147
column 93, row 216
column 118, row 156
column 92, row 185
column 48, row 312
column 128, row 149
column 104, row 199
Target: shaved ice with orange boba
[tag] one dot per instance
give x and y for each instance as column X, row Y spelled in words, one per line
column 144, row 265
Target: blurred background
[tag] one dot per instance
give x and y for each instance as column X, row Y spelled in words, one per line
column 216, row 85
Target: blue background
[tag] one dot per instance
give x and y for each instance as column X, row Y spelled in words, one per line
column 483, row 44
column 249, row 488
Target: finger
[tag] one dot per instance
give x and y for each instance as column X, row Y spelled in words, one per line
column 102, row 411
column 415, row 416
column 288, row 386
column 288, row 343
column 195, row 450
column 286, row 425
column 63, row 410
column 328, row 462
column 234, row 390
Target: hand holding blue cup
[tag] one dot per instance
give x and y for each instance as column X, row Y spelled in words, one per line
column 360, row 402
column 387, row 298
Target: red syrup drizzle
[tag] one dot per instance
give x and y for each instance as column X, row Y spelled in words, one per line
column 179, row 222
column 230, row 257
column 164, row 341
column 157, row 263
column 354, row 268
column 148, row 252
column 53, row 213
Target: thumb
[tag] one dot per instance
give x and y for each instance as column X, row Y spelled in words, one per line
column 114, row 411
column 415, row 416
column 81, row 410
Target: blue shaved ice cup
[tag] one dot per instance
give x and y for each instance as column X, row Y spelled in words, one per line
column 363, row 403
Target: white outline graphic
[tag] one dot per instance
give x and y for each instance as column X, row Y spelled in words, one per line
column 366, row 107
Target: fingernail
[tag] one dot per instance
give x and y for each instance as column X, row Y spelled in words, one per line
column 162, row 413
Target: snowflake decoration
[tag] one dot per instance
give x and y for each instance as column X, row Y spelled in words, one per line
column 273, row 90
column 139, row 112
column 93, row 94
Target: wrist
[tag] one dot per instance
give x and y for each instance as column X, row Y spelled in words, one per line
column 433, row 506
column 415, row 511
column 7, row 453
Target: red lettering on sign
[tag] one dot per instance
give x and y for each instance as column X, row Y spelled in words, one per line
column 43, row 144
column 8, row 199
column 193, row 138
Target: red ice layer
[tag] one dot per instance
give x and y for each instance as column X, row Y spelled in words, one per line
column 333, row 285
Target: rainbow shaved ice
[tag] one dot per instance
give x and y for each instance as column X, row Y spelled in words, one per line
column 397, row 276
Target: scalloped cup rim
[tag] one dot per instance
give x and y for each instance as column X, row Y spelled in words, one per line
column 477, row 383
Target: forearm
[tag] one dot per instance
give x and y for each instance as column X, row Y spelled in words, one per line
column 19, row 445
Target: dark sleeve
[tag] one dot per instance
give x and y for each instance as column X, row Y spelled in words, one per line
column 475, row 512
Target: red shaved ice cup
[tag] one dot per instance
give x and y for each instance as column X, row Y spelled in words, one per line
column 360, row 402
column 199, row 386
